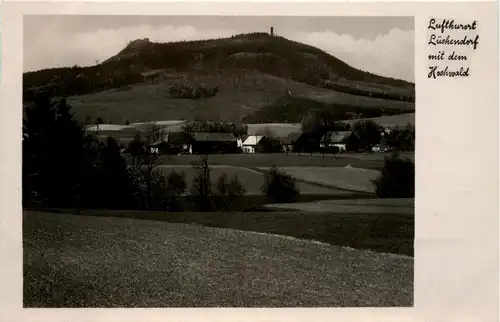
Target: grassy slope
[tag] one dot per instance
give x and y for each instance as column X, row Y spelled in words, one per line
column 400, row 120
column 79, row 261
column 293, row 109
column 245, row 94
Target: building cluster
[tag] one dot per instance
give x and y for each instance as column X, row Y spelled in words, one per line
column 175, row 140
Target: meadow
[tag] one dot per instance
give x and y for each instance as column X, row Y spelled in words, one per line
column 100, row 260
column 400, row 120
column 352, row 206
column 240, row 94
column 373, row 161
column 344, row 178
column 252, row 180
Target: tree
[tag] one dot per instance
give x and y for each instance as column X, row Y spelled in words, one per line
column 308, row 124
column 136, row 149
column 201, row 188
column 113, row 184
column 311, row 146
column 175, row 188
column 88, row 120
column 325, row 123
column 368, row 132
column 240, row 130
column 189, row 128
column 352, row 142
column 54, row 158
column 145, row 160
column 166, row 191
column 335, row 150
column 320, row 124
column 402, row 139
column 230, row 190
column 280, row 186
column 397, row 179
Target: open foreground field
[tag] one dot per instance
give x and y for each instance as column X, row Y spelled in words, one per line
column 87, row 261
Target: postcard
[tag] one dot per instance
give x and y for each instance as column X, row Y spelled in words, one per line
column 250, row 161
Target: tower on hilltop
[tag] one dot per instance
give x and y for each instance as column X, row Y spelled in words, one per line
column 272, row 31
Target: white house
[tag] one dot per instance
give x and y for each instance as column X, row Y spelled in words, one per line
column 250, row 143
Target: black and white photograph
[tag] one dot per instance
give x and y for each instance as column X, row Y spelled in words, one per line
column 218, row 161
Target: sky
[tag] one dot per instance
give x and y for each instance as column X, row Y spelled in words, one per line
column 380, row 45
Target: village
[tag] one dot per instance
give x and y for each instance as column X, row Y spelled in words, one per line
column 177, row 137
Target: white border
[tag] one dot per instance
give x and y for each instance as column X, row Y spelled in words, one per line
column 456, row 255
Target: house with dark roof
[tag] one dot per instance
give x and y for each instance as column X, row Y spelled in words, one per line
column 209, row 143
column 172, row 143
column 292, row 141
column 336, row 138
column 261, row 144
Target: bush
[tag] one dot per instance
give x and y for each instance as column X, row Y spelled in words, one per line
column 397, row 179
column 279, row 186
column 230, row 190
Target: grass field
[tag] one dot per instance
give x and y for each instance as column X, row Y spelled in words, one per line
column 251, row 180
column 344, row 178
column 353, row 206
column 357, row 160
column 400, row 120
column 241, row 94
column 86, row 261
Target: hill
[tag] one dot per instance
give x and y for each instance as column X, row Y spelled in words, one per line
column 209, row 79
